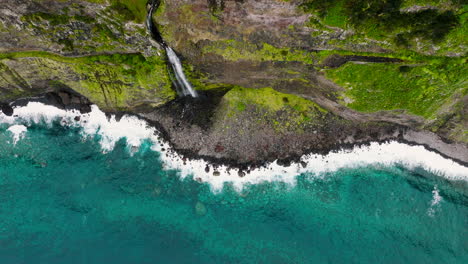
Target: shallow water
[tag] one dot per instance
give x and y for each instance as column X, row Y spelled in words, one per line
column 64, row 201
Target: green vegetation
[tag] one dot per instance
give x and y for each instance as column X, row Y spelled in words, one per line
column 439, row 23
column 234, row 50
column 130, row 9
column 121, row 80
column 117, row 82
column 270, row 99
column 56, row 19
column 336, row 15
column 57, row 28
column 283, row 111
column 77, row 30
column 420, row 88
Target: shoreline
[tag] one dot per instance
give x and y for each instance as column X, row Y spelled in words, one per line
column 456, row 152
column 217, row 172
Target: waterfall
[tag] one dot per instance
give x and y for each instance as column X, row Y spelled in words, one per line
column 183, row 85
column 181, row 80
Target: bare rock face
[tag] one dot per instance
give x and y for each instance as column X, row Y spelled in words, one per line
column 278, row 23
column 69, row 28
column 101, row 51
column 260, row 65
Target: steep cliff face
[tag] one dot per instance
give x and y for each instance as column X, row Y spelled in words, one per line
column 280, row 77
column 97, row 48
column 407, row 58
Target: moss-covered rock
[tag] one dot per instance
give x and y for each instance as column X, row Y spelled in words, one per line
column 100, row 49
column 431, row 88
column 74, row 27
column 97, row 48
column 285, row 45
column 114, row 82
column 283, row 112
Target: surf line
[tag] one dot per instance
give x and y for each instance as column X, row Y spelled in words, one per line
column 183, row 86
column 136, row 131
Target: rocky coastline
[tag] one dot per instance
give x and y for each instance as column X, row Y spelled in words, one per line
column 277, row 79
column 176, row 131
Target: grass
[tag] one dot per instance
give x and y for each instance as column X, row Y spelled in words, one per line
column 285, row 112
column 116, row 81
column 131, row 9
column 384, row 21
column 234, row 50
column 336, row 16
column 420, row 89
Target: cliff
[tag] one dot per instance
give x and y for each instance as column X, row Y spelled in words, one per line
column 278, row 77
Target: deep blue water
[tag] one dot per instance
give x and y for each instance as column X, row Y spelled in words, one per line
column 63, row 201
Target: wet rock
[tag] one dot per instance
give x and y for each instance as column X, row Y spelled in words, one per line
column 6, row 109
column 76, row 100
column 85, row 108
column 303, row 164
column 207, row 169
column 66, row 100
column 216, row 173
column 284, row 163
column 134, row 149
column 241, row 174
column 77, row 118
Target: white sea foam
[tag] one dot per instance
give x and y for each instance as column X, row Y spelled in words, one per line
column 18, row 132
column 136, row 131
column 436, row 199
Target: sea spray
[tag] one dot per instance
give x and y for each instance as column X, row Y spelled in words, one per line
column 18, row 132
column 62, row 201
column 135, row 131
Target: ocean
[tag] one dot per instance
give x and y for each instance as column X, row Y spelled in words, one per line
column 98, row 190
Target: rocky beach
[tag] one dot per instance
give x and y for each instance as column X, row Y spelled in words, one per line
column 276, row 105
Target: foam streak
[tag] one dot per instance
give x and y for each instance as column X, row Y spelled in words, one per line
column 136, row 131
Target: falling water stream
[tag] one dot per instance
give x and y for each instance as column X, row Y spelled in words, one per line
column 184, row 88
column 92, row 188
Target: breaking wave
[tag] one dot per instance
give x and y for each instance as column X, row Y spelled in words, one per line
column 136, row 131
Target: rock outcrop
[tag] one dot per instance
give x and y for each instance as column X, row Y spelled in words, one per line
column 278, row 78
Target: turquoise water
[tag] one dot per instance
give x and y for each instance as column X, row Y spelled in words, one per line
column 63, row 201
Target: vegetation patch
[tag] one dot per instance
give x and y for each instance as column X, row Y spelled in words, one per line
column 74, row 31
column 130, row 9
column 421, row 89
column 233, row 50
column 282, row 111
column 406, row 24
column 117, row 81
